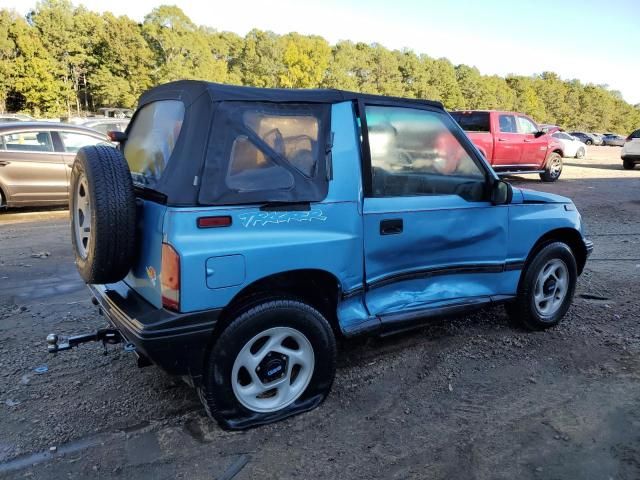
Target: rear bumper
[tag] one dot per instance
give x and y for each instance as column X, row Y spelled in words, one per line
column 176, row 342
column 632, row 157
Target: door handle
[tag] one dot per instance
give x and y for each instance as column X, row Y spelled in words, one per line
column 502, row 139
column 527, row 141
column 391, row 227
column 4, row 163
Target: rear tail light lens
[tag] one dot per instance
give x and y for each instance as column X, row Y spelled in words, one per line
column 214, row 222
column 170, row 278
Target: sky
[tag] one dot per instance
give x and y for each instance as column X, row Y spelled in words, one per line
column 593, row 41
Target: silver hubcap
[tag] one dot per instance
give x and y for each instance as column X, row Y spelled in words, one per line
column 82, row 216
column 555, row 168
column 551, row 287
column 273, row 369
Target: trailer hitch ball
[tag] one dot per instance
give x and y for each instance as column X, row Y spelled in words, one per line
column 52, row 342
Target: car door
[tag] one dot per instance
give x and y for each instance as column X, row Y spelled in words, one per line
column 534, row 149
column 71, row 142
column 30, row 169
column 508, row 141
column 431, row 238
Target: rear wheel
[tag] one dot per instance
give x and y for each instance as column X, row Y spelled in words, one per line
column 553, row 169
column 546, row 289
column 580, row 153
column 628, row 164
column 275, row 360
column 589, row 142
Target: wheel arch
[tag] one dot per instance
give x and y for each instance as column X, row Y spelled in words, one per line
column 570, row 236
column 319, row 288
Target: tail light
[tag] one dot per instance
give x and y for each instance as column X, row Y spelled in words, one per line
column 170, row 278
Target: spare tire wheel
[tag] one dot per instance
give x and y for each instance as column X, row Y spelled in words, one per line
column 103, row 214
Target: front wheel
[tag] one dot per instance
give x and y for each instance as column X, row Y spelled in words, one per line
column 553, row 168
column 628, row 164
column 588, row 142
column 580, row 153
column 275, row 360
column 546, row 288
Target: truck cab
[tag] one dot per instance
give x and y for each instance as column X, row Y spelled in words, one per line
column 512, row 142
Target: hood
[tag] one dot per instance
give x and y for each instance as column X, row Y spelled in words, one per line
column 534, row 196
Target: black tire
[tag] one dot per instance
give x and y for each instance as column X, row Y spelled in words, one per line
column 216, row 391
column 580, row 153
column 628, row 164
column 552, row 169
column 524, row 310
column 109, row 252
column 588, row 142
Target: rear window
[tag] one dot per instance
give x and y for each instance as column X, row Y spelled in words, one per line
column 635, row 135
column 472, row 121
column 152, row 138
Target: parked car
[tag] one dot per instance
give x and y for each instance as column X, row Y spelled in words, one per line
column 614, row 140
column 571, row 146
column 548, row 128
column 599, row 138
column 106, row 125
column 15, row 117
column 586, row 138
column 36, row 160
column 631, row 151
column 256, row 225
column 513, row 143
column 115, row 112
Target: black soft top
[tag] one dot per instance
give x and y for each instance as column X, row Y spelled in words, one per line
column 198, row 170
column 190, row 90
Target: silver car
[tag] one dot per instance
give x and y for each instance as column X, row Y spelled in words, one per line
column 106, row 125
column 36, row 160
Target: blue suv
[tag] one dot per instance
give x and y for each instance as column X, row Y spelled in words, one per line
column 237, row 232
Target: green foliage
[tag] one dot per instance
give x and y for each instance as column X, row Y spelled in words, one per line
column 63, row 59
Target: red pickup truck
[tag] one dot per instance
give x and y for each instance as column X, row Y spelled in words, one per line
column 512, row 143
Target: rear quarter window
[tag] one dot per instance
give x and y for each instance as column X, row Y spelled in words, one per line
column 472, row 121
column 151, row 140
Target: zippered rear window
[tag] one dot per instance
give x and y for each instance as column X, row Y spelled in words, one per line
column 151, row 139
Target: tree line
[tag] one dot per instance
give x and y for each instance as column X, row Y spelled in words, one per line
column 61, row 60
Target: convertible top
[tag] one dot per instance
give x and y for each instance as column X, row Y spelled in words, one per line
column 224, row 154
column 190, row 90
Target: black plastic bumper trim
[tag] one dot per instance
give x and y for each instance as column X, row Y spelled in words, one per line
column 176, row 342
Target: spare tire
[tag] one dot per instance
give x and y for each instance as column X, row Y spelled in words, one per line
column 103, row 214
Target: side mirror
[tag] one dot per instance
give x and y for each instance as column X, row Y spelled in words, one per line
column 501, row 193
column 116, row 136
column 539, row 133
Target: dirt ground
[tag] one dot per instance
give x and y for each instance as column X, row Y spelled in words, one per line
column 470, row 397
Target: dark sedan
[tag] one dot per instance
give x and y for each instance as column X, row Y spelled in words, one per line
column 36, row 160
column 586, row 138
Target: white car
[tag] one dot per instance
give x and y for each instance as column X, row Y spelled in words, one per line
column 572, row 146
column 631, row 151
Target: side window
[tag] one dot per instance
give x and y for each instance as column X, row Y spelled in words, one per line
column 152, row 138
column 414, row 152
column 28, row 142
column 507, row 124
column 526, row 126
column 249, row 167
column 292, row 137
column 74, row 141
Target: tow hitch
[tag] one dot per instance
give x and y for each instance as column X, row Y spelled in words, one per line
column 109, row 336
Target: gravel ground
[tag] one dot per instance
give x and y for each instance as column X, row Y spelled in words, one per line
column 467, row 397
